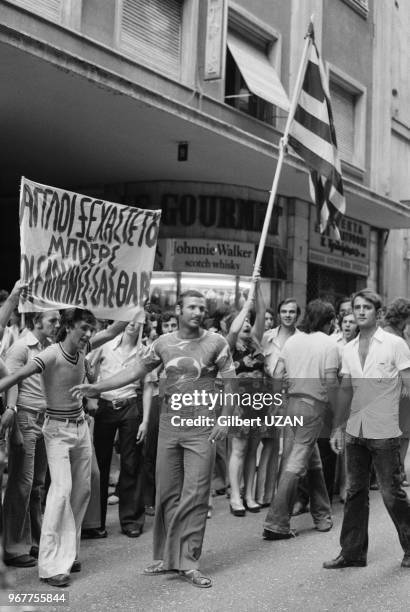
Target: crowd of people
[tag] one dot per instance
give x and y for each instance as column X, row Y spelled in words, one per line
column 75, row 388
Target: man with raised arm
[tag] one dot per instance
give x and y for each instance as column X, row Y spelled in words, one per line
column 67, row 440
column 6, row 310
column 192, row 358
column 27, row 463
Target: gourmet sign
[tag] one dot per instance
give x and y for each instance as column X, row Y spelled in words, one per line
column 84, row 252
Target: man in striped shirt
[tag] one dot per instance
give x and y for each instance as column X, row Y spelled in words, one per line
column 67, row 439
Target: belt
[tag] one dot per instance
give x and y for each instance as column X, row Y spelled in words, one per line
column 37, row 413
column 187, row 411
column 78, row 420
column 119, row 403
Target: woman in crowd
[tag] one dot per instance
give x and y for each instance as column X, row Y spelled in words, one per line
column 248, row 360
column 269, row 319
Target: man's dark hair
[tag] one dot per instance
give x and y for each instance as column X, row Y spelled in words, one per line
column 290, row 300
column 164, row 318
column 342, row 300
column 318, row 314
column 212, row 322
column 167, row 316
column 342, row 316
column 370, row 296
column 146, row 330
column 190, row 293
column 32, row 318
column 3, row 295
column 69, row 317
column 398, row 311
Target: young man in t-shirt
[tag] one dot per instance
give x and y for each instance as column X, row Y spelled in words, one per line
column 308, row 363
column 67, row 440
column 192, row 358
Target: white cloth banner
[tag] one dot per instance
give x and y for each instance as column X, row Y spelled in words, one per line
column 83, row 252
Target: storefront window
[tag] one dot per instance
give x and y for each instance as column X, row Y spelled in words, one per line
column 219, row 290
column 164, row 290
column 222, row 291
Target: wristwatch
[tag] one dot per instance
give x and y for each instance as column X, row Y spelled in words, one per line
column 14, row 408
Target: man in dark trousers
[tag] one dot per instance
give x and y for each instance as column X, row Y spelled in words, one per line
column 121, row 410
column 375, row 365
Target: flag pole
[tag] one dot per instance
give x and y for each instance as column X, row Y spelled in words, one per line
column 282, row 152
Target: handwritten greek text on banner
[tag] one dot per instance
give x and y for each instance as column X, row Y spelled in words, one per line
column 83, row 252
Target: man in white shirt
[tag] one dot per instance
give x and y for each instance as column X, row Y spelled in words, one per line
column 374, row 367
column 121, row 410
column 308, row 363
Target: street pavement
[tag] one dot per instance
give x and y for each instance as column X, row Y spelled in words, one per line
column 249, row 573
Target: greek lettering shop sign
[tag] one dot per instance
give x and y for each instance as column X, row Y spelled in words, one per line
column 351, row 254
column 211, row 256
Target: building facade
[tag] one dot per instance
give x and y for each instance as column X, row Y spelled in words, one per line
column 180, row 105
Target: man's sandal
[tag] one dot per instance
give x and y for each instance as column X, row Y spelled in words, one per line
column 195, row 577
column 155, row 569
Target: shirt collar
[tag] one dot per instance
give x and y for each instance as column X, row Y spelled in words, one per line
column 31, row 340
column 272, row 334
column 117, row 342
column 378, row 335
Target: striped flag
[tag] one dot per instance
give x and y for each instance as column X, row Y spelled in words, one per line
column 312, row 135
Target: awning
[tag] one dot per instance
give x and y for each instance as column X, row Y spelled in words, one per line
column 258, row 73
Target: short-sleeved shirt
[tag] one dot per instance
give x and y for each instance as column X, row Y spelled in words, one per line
column 377, row 386
column 60, row 372
column 111, row 358
column 271, row 349
column 30, row 391
column 190, row 364
column 307, row 359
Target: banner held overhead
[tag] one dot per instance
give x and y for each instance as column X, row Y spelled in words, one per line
column 84, row 252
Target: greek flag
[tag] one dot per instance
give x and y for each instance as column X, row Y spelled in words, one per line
column 312, row 135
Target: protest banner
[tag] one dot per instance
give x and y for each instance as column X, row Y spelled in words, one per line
column 83, row 252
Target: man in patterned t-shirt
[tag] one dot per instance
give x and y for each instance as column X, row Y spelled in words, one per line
column 67, row 440
column 192, row 358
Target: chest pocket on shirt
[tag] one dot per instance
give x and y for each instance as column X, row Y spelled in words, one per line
column 384, row 372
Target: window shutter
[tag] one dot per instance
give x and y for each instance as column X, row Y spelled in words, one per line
column 51, row 9
column 343, row 107
column 151, row 32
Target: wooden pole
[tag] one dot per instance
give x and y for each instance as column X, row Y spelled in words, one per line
column 282, row 152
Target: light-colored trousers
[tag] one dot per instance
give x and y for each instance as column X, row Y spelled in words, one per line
column 92, row 518
column 68, row 447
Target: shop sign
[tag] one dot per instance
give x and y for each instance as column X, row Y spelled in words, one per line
column 215, row 42
column 209, row 256
column 350, row 254
column 221, row 208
